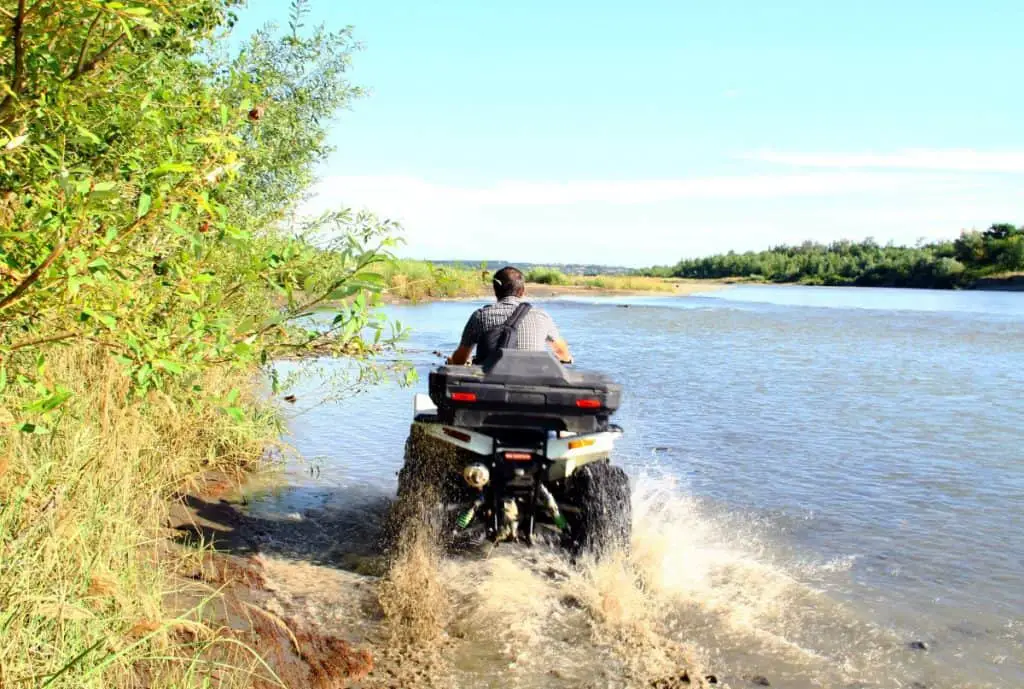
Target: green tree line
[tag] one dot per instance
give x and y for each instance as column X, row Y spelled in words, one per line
column 948, row 264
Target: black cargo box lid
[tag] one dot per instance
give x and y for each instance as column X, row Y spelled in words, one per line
column 529, row 368
column 525, row 380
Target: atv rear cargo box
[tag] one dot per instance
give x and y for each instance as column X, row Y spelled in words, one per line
column 524, row 388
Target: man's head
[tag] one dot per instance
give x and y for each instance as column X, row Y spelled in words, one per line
column 509, row 282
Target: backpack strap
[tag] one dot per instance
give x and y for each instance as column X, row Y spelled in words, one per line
column 509, row 326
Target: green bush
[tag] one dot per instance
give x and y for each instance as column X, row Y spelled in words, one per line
column 546, row 276
column 418, row 280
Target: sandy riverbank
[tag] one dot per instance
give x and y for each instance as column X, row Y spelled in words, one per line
column 676, row 288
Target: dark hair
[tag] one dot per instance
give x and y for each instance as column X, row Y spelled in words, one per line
column 508, row 282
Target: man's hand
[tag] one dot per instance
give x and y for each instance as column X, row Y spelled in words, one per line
column 461, row 356
column 561, row 349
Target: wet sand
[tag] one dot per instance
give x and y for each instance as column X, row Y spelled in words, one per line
column 238, row 595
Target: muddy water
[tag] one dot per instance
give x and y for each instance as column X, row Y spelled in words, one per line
column 828, row 488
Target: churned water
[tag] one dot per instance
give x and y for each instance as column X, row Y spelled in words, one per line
column 828, row 488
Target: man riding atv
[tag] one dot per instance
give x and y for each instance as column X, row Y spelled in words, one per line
column 532, row 329
column 515, row 447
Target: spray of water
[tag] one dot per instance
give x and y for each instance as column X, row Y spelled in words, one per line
column 412, row 595
column 695, row 596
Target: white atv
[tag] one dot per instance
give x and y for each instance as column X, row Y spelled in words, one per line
column 517, row 451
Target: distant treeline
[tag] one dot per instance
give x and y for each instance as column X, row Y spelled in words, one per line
column 949, row 264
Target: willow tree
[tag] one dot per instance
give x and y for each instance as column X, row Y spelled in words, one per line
column 145, row 189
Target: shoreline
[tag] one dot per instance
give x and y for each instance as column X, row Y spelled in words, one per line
column 1011, row 283
column 534, row 290
column 319, row 610
column 1007, row 283
column 675, row 288
column 218, row 547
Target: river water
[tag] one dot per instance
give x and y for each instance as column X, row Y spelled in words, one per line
column 828, row 486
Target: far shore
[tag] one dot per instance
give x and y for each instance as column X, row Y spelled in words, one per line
column 671, row 288
column 1012, row 283
column 665, row 288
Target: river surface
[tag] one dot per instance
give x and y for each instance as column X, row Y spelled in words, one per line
column 828, row 482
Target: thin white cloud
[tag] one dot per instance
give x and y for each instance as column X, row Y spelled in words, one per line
column 959, row 160
column 644, row 222
column 410, row 192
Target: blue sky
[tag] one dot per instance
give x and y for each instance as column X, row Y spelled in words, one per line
column 641, row 132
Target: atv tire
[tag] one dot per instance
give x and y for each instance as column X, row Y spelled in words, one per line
column 604, row 524
column 426, row 484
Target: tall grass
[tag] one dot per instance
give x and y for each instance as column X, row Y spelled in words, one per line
column 85, row 567
column 626, row 282
column 419, row 280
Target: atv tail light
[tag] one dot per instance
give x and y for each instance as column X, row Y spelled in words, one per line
column 588, row 404
column 464, row 397
column 518, row 456
column 458, row 435
column 583, row 442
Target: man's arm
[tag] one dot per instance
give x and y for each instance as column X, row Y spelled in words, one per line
column 558, row 345
column 470, row 335
column 561, row 349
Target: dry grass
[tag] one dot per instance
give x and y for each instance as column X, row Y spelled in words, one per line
column 420, row 281
column 84, row 564
column 625, row 283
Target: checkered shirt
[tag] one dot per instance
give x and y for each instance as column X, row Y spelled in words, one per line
column 535, row 330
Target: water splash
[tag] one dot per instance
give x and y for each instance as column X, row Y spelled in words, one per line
column 701, row 592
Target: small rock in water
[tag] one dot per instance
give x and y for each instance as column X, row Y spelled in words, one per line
column 571, row 602
column 918, row 646
column 760, row 680
column 294, row 516
column 671, row 682
column 918, row 685
column 556, row 575
column 680, row 681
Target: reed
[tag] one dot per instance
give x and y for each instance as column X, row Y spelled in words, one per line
column 421, row 280
column 86, row 569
